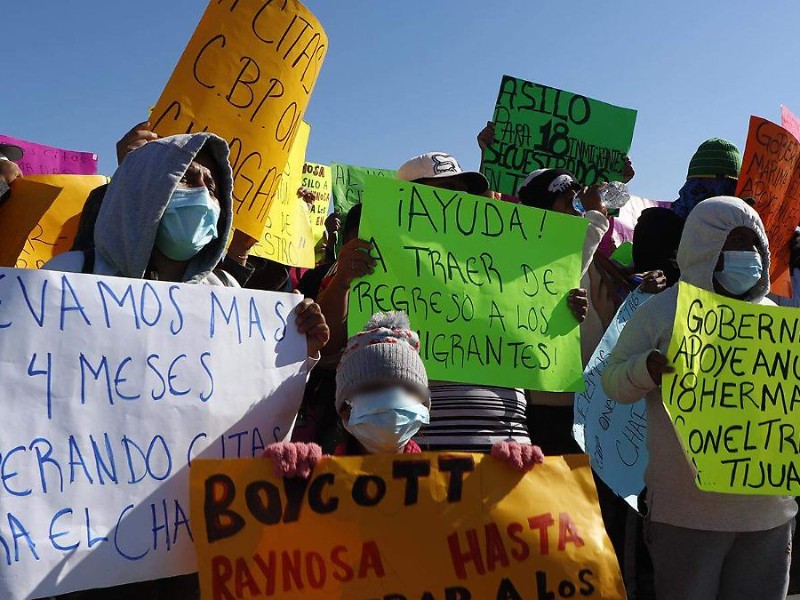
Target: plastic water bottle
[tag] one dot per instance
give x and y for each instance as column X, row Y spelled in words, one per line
column 615, row 195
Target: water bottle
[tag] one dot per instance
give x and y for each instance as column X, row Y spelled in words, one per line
column 615, row 195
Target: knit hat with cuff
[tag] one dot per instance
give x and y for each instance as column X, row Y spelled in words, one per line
column 385, row 352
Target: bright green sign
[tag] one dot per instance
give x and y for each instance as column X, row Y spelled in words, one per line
column 348, row 184
column 485, row 283
column 539, row 127
column 735, row 395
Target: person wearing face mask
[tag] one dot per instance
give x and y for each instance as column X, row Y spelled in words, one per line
column 469, row 418
column 703, row 544
column 166, row 216
column 550, row 414
column 383, row 400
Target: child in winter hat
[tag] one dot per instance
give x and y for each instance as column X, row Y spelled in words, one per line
column 381, row 386
column 383, row 399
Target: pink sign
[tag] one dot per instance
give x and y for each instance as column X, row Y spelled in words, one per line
column 789, row 122
column 38, row 159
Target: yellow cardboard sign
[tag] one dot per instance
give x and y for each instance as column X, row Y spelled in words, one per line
column 56, row 226
column 434, row 525
column 247, row 75
column 735, row 395
column 287, row 236
column 20, row 214
column 317, row 178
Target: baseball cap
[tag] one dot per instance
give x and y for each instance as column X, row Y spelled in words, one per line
column 541, row 187
column 10, row 152
column 440, row 165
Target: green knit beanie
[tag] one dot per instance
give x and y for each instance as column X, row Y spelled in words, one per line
column 715, row 158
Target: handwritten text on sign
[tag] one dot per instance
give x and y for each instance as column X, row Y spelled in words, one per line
column 480, row 529
column 39, row 159
column 110, row 387
column 735, row 394
column 771, row 175
column 613, row 434
column 539, row 127
column 485, row 283
column 348, row 184
column 317, row 178
column 287, row 236
column 247, row 75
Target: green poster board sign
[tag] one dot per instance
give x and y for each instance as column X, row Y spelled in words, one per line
column 348, row 184
column 485, row 283
column 539, row 127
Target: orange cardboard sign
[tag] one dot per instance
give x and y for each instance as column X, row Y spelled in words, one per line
column 771, row 176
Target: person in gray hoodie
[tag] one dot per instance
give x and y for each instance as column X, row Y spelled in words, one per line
column 704, row 545
column 166, row 215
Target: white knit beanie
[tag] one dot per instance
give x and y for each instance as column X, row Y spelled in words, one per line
column 386, row 351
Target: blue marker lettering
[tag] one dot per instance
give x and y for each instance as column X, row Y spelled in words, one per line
column 118, row 378
column 54, row 536
column 128, row 295
column 172, row 389
column 77, row 306
column 163, row 381
column 207, row 369
column 172, row 328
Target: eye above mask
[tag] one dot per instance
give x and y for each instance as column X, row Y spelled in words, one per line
column 741, row 271
column 188, row 224
column 384, row 421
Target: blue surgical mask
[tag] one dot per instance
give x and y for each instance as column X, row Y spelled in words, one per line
column 577, row 205
column 741, row 271
column 189, row 223
column 384, row 421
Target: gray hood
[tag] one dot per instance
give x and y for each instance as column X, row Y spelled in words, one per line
column 138, row 194
column 704, row 235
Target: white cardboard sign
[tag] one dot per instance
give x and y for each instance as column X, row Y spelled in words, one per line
column 109, row 388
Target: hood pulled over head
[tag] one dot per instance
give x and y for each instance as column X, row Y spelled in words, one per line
column 125, row 232
column 704, row 235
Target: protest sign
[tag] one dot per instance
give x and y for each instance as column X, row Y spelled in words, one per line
column 735, row 395
column 38, row 159
column 395, row 527
column 247, row 75
column 771, row 175
column 53, row 230
column 317, row 178
column 790, row 122
column 485, row 283
column 348, row 184
column 539, row 127
column 613, row 434
column 624, row 254
column 19, row 214
column 110, row 387
column 287, row 236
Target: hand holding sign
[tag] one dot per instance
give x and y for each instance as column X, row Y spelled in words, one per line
column 9, row 171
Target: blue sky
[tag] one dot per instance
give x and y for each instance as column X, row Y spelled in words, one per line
column 406, row 77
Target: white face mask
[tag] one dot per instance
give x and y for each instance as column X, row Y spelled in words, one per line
column 384, row 421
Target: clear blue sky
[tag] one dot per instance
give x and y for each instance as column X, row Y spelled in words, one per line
column 405, row 77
